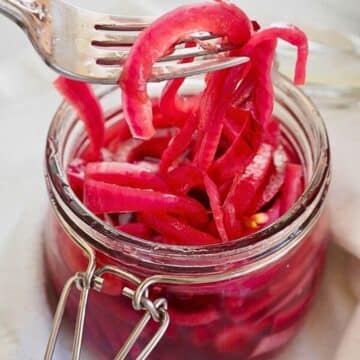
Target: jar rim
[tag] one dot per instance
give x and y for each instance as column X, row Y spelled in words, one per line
column 262, row 243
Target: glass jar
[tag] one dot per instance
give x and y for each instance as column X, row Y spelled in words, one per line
column 244, row 299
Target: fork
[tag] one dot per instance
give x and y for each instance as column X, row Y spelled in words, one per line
column 92, row 47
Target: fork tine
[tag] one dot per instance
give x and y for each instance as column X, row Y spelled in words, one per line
column 114, row 39
column 119, row 23
column 109, row 75
column 113, row 57
column 118, row 39
column 179, row 54
column 162, row 73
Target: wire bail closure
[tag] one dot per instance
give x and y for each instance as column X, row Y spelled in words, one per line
column 92, row 279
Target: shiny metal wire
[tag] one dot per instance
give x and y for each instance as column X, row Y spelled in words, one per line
column 93, row 279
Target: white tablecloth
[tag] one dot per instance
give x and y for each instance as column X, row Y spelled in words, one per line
column 27, row 103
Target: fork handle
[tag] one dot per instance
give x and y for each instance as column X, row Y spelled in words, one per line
column 21, row 11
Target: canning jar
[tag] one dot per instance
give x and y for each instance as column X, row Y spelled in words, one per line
column 244, row 299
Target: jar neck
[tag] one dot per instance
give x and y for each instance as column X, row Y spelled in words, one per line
column 302, row 126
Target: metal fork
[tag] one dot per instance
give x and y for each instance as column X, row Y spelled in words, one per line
column 91, row 46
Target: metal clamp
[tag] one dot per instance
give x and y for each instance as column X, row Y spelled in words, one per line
column 93, row 279
column 155, row 310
